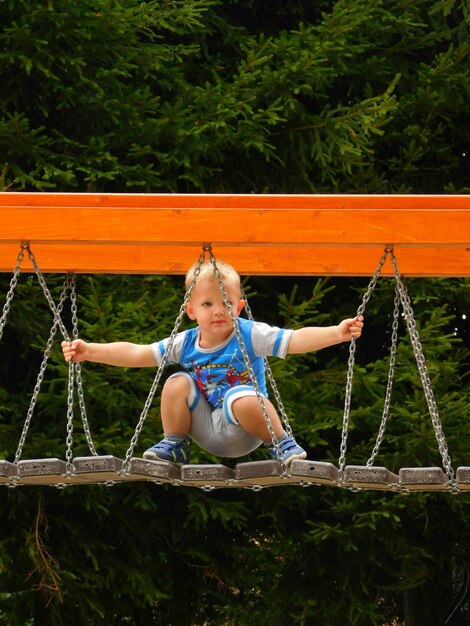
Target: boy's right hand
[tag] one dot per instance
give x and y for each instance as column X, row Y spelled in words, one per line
column 74, row 350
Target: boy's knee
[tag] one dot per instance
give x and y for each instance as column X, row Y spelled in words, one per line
column 245, row 403
column 248, row 406
column 176, row 387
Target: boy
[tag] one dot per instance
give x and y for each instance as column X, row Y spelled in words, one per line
column 213, row 400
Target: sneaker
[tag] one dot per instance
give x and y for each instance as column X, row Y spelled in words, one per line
column 167, row 450
column 290, row 450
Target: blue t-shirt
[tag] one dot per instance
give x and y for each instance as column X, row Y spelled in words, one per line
column 216, row 370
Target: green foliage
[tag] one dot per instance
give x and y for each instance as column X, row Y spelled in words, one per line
column 83, row 103
column 346, row 96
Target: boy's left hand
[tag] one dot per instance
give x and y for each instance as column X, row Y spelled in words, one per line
column 351, row 328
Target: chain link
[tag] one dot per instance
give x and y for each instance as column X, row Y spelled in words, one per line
column 401, row 296
column 156, row 382
column 11, row 291
column 349, row 379
column 47, row 294
column 143, row 416
column 391, row 374
column 71, row 372
column 249, row 367
column 74, row 371
column 78, row 369
column 206, row 248
column 69, row 439
column 425, row 379
column 272, row 381
column 40, row 377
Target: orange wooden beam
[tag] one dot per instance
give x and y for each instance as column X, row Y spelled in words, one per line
column 259, row 234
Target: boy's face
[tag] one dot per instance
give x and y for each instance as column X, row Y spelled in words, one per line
column 207, row 307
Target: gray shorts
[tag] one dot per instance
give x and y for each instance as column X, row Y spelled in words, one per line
column 218, row 431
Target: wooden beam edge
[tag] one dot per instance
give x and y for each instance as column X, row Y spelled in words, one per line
column 255, row 260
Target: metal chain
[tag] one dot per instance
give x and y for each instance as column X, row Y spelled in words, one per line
column 350, row 373
column 58, row 323
column 248, row 365
column 424, row 375
column 143, row 416
column 78, row 369
column 272, row 381
column 11, row 291
column 69, row 439
column 71, row 374
column 47, row 293
column 40, row 377
column 391, row 374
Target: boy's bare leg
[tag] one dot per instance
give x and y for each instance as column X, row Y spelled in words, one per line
column 249, row 415
column 176, row 417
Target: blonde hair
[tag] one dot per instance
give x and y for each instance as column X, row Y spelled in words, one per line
column 227, row 273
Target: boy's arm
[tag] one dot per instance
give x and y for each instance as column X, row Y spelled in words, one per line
column 316, row 337
column 120, row 353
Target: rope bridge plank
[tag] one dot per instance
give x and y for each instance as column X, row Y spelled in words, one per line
column 255, row 475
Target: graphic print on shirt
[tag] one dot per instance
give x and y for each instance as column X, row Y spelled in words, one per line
column 215, row 379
